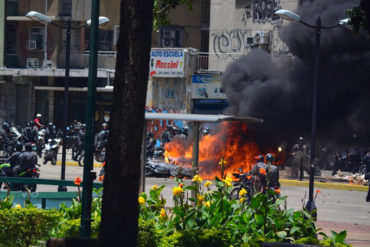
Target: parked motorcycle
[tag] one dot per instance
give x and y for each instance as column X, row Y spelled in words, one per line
column 51, row 150
column 245, row 182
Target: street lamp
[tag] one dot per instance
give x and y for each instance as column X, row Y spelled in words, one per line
column 36, row 16
column 290, row 16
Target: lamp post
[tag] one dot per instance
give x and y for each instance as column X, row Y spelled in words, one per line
column 36, row 16
column 290, row 16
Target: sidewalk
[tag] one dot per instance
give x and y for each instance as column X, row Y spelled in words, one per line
column 357, row 235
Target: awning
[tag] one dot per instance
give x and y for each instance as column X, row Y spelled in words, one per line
column 200, row 117
column 107, row 89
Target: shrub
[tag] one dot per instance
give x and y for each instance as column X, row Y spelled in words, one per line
column 25, row 226
column 71, row 229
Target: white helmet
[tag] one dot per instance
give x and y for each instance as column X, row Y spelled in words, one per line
column 38, row 115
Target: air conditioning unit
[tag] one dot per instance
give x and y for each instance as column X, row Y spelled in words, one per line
column 169, row 34
column 261, row 37
column 31, row 44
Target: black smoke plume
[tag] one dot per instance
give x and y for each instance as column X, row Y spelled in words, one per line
column 279, row 89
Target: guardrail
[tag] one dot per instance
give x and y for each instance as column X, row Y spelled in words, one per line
column 43, row 196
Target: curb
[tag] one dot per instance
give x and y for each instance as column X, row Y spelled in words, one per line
column 74, row 163
column 322, row 185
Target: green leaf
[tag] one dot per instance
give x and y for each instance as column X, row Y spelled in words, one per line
column 294, row 229
column 281, row 234
column 339, row 238
column 259, row 219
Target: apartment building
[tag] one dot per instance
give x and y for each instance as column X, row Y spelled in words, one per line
column 32, row 63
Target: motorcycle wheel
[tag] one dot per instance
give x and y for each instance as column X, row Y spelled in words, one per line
column 53, row 158
column 234, row 195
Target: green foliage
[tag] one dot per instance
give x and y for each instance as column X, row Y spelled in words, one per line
column 69, row 226
column 25, row 226
column 212, row 215
column 148, row 236
column 161, row 9
column 71, row 229
column 201, row 238
column 7, row 202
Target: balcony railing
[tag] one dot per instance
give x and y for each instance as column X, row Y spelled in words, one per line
column 215, row 61
column 106, row 60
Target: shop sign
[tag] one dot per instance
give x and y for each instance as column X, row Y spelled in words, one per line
column 207, row 87
column 167, row 62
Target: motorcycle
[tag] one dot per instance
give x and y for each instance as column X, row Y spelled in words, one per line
column 29, row 173
column 245, row 182
column 40, row 143
column 51, row 150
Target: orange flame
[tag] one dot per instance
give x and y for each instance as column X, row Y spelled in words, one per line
column 230, row 141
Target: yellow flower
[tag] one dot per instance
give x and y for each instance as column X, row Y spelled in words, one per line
column 200, row 199
column 227, row 181
column 197, row 179
column 208, row 183
column 222, row 162
column 177, row 191
column 242, row 192
column 162, row 214
column 18, row 206
column 242, row 199
column 207, row 204
column 154, row 187
column 141, row 200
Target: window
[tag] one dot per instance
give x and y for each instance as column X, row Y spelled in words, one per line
column 105, row 39
column 11, row 37
column 65, row 8
column 36, row 38
column 171, row 36
column 205, row 12
column 75, row 37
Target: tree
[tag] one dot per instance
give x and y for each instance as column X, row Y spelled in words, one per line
column 360, row 16
column 122, row 176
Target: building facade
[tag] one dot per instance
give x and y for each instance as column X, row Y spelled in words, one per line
column 32, row 64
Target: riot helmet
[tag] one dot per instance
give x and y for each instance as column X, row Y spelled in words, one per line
column 260, row 158
column 104, row 126
column 19, row 146
column 6, row 126
column 269, row 158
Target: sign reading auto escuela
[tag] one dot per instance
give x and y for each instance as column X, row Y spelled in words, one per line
column 167, row 62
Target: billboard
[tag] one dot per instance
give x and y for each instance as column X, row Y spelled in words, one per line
column 205, row 86
column 167, row 62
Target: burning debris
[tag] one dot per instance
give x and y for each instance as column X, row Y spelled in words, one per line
column 229, row 140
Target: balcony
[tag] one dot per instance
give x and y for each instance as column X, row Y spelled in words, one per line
column 215, row 61
column 106, row 60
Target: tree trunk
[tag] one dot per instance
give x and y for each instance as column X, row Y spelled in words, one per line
column 365, row 4
column 121, row 183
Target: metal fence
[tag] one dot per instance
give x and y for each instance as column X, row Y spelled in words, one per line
column 215, row 61
column 106, row 60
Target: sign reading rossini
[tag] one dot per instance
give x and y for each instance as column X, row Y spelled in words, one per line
column 167, row 62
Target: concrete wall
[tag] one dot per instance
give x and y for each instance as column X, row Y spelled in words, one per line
column 2, row 32
column 234, row 22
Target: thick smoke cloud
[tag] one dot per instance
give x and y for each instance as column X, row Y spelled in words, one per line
column 279, row 89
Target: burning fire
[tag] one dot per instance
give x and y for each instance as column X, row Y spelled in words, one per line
column 229, row 141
